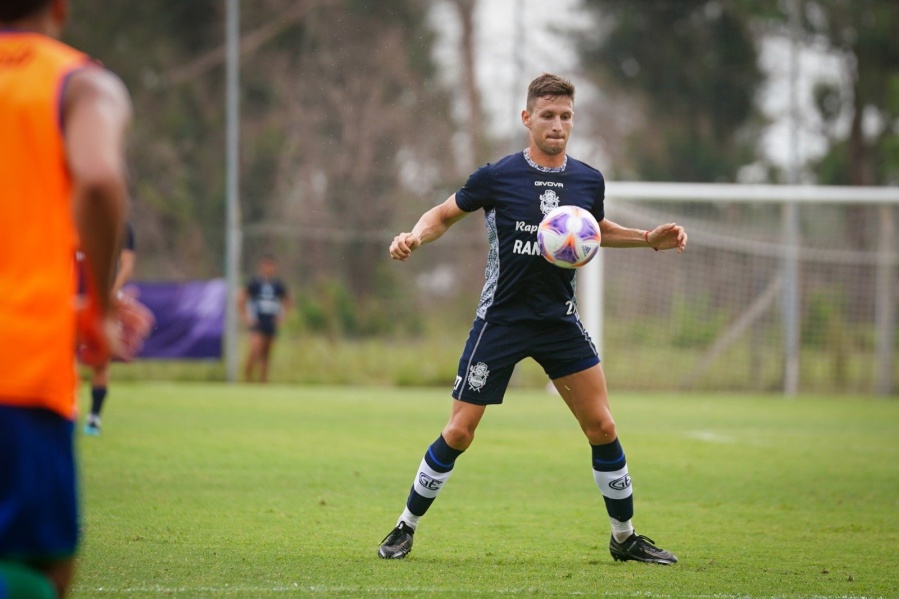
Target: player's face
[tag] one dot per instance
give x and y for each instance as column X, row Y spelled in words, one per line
column 550, row 123
column 268, row 268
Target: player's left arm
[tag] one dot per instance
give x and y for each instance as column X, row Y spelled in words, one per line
column 286, row 306
column 664, row 237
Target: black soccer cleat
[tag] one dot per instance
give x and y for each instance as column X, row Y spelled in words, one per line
column 398, row 543
column 641, row 549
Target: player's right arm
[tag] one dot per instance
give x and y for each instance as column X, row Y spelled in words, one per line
column 243, row 297
column 430, row 227
column 97, row 111
column 96, row 115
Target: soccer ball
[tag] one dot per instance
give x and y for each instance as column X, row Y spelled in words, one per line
column 568, row 237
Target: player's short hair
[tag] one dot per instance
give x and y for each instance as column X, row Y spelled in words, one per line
column 547, row 85
column 15, row 10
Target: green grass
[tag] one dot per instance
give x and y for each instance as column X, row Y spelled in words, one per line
column 206, row 490
column 432, row 359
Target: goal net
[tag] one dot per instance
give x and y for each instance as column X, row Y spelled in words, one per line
column 790, row 288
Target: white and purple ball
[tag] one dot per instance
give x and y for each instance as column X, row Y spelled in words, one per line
column 568, row 237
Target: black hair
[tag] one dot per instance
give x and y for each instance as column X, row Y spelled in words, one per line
column 547, row 85
column 15, row 10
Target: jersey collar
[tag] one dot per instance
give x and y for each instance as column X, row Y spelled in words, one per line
column 544, row 169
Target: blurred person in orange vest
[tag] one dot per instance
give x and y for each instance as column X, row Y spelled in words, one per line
column 62, row 125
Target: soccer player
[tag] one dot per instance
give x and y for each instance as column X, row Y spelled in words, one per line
column 263, row 304
column 528, row 308
column 100, row 372
column 62, row 187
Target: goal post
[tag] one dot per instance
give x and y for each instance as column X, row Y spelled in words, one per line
column 751, row 305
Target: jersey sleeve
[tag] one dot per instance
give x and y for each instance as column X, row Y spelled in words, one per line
column 128, row 241
column 599, row 210
column 476, row 193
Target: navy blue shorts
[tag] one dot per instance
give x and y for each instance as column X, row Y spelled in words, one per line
column 493, row 350
column 38, row 491
column 266, row 325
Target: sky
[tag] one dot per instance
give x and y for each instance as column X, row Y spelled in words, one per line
column 813, row 65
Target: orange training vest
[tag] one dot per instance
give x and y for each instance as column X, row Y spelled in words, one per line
column 37, row 232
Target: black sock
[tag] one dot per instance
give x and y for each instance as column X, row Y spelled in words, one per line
column 98, row 395
column 434, row 470
column 612, row 478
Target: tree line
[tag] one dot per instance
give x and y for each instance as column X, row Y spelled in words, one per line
column 348, row 130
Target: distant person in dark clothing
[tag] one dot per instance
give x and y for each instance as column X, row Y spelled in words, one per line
column 263, row 304
column 100, row 377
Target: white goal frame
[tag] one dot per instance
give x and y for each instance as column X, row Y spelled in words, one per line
column 790, row 197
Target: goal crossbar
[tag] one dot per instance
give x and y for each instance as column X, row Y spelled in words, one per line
column 731, row 192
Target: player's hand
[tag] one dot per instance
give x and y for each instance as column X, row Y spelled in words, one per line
column 119, row 334
column 133, row 326
column 93, row 334
column 403, row 245
column 668, row 237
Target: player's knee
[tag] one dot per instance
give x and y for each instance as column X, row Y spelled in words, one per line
column 601, row 431
column 458, row 436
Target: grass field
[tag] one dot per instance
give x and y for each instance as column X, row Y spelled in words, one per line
column 208, row 490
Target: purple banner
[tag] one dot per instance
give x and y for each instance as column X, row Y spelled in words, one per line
column 190, row 318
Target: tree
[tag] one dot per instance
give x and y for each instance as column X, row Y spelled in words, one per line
column 342, row 123
column 692, row 68
column 479, row 143
column 347, row 106
column 863, row 34
column 177, row 136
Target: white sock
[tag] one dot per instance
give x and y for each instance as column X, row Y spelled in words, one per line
column 409, row 518
column 621, row 530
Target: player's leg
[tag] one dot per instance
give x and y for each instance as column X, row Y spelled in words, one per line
column 433, row 472
column 60, row 573
column 438, row 461
column 265, row 351
column 18, row 581
column 38, row 503
column 99, row 391
column 248, row 361
column 485, row 368
column 252, row 355
column 586, row 394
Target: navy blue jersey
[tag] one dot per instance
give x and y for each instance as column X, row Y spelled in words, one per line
column 515, row 194
column 128, row 241
column 265, row 297
column 127, row 244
